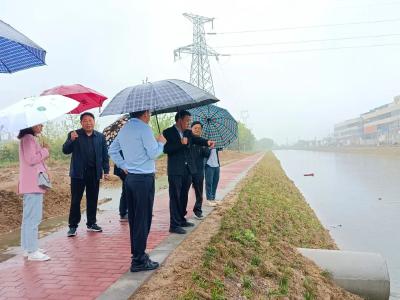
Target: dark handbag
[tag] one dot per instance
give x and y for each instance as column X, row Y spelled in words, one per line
column 44, row 181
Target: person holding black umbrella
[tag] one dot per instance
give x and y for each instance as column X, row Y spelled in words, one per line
column 180, row 168
column 140, row 149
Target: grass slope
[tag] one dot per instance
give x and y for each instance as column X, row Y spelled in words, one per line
column 253, row 255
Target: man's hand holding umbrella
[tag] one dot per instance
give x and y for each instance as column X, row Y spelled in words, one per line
column 211, row 144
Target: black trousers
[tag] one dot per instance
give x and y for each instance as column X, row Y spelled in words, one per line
column 179, row 186
column 123, row 205
column 78, row 186
column 139, row 189
column 198, row 184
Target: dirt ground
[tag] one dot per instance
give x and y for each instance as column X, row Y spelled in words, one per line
column 57, row 200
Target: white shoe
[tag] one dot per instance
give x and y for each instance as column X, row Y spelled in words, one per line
column 38, row 256
column 26, row 253
column 211, row 203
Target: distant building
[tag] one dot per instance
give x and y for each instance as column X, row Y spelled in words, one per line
column 349, row 132
column 380, row 125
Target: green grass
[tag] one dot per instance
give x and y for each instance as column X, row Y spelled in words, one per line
column 255, row 261
column 253, row 254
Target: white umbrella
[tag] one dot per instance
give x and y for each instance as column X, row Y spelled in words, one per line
column 35, row 110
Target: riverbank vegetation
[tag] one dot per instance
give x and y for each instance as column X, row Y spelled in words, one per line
column 246, row 248
column 254, row 252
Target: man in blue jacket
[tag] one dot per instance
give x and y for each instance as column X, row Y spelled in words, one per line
column 140, row 150
column 88, row 162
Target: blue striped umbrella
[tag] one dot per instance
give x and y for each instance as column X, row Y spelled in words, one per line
column 218, row 124
column 17, row 52
column 158, row 97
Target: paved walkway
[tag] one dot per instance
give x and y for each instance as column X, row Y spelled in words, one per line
column 86, row 266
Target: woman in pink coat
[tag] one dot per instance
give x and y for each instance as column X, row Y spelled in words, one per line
column 31, row 162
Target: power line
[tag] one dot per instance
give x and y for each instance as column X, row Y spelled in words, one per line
column 369, row 4
column 306, row 27
column 315, row 50
column 311, row 41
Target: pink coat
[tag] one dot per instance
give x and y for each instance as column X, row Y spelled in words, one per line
column 31, row 162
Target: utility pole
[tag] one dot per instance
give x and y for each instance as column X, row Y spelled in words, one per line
column 200, row 72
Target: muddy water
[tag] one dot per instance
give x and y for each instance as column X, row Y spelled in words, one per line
column 356, row 197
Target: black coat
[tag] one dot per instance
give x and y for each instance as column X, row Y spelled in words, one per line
column 78, row 158
column 199, row 154
column 179, row 155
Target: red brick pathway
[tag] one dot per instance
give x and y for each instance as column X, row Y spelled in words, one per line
column 85, row 266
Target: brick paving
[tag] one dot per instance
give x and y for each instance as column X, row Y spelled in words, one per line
column 84, row 267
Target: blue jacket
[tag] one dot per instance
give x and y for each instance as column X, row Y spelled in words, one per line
column 78, row 160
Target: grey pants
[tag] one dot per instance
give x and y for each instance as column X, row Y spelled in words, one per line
column 31, row 218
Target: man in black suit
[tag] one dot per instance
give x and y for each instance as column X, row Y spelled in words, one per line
column 89, row 161
column 180, row 168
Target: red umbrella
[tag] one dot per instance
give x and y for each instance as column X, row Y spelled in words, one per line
column 87, row 98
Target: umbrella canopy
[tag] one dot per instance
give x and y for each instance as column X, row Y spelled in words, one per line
column 111, row 131
column 218, row 124
column 86, row 97
column 17, row 52
column 159, row 97
column 34, row 110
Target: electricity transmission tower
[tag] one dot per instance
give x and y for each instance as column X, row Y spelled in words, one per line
column 244, row 114
column 200, row 72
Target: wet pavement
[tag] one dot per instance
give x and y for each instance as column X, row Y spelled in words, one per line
column 86, row 266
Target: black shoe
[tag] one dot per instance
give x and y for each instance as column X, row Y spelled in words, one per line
column 178, row 230
column 71, row 232
column 94, row 228
column 198, row 216
column 147, row 266
column 123, row 218
column 187, row 224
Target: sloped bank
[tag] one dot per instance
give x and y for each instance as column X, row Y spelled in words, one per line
column 247, row 248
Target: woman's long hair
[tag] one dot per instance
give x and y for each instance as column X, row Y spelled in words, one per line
column 24, row 132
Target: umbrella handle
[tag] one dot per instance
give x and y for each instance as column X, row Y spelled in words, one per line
column 158, row 125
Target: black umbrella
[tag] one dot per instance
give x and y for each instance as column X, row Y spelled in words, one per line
column 158, row 97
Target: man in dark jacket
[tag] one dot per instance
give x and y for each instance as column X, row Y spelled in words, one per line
column 199, row 153
column 89, row 160
column 180, row 168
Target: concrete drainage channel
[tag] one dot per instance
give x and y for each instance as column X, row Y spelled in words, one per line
column 361, row 273
column 125, row 286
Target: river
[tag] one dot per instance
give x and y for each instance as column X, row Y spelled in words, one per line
column 356, row 197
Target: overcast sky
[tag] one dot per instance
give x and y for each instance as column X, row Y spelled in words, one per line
column 109, row 45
